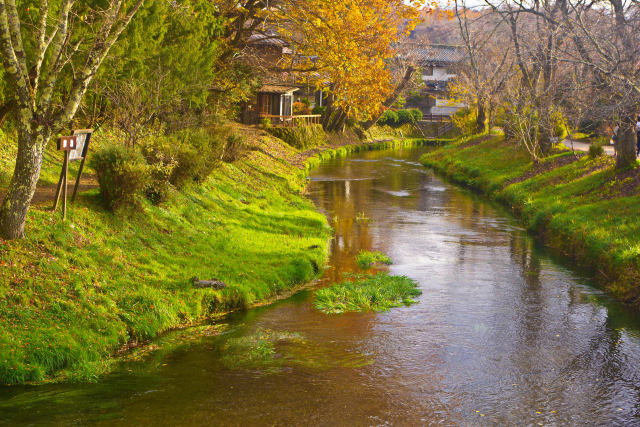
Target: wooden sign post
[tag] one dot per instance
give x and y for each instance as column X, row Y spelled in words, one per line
column 65, row 144
column 83, row 137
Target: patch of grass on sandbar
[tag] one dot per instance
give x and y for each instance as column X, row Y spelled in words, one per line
column 378, row 292
column 366, row 259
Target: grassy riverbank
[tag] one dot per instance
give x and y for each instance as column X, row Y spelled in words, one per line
column 580, row 206
column 73, row 294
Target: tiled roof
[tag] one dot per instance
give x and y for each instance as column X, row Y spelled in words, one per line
column 277, row 89
column 442, row 54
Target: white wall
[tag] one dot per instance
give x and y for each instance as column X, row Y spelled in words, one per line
column 446, row 106
column 439, row 74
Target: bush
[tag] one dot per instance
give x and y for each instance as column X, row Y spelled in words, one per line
column 596, row 149
column 465, row 120
column 389, row 118
column 123, row 175
column 318, row 110
column 416, row 113
column 266, row 123
column 560, row 126
column 234, row 147
column 405, row 117
column 161, row 157
column 197, row 153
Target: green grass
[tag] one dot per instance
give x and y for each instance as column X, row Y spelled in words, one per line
column 378, row 292
column 73, row 293
column 583, row 208
column 365, row 259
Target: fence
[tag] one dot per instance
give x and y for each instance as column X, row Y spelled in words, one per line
column 437, row 118
column 292, row 121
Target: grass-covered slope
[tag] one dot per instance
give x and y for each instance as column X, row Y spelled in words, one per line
column 580, row 205
column 72, row 293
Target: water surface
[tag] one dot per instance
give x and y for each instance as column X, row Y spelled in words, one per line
column 503, row 334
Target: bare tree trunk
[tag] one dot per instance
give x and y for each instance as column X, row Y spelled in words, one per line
column 545, row 136
column 481, row 119
column 626, row 146
column 22, row 187
column 392, row 99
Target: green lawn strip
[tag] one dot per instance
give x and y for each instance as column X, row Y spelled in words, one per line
column 73, row 293
column 579, row 207
column 365, row 293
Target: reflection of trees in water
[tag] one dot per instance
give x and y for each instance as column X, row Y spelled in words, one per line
column 528, row 305
column 361, row 211
column 550, row 333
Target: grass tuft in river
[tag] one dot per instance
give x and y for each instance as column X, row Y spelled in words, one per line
column 366, row 259
column 258, row 349
column 378, row 292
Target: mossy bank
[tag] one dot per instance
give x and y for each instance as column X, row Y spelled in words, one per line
column 579, row 205
column 74, row 293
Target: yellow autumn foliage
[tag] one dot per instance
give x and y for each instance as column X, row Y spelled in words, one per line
column 344, row 46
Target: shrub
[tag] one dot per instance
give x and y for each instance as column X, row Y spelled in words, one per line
column 405, row 117
column 560, row 126
column 161, row 156
column 265, row 123
column 318, row 110
column 123, row 174
column 389, row 118
column 157, row 191
column 197, row 152
column 416, row 113
column 596, row 149
column 465, row 120
column 234, row 147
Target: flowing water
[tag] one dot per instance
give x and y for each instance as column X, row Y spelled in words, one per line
column 503, row 334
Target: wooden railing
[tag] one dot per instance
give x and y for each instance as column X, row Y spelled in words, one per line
column 292, row 121
column 448, row 126
column 438, row 118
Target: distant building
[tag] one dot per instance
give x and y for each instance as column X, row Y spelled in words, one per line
column 280, row 89
column 438, row 64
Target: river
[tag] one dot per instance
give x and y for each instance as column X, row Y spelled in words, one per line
column 503, row 334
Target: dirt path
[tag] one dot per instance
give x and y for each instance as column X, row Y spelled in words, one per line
column 46, row 193
column 583, row 146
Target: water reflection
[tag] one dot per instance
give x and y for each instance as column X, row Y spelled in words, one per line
column 503, row 334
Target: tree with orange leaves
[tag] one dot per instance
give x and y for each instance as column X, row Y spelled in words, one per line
column 344, row 47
